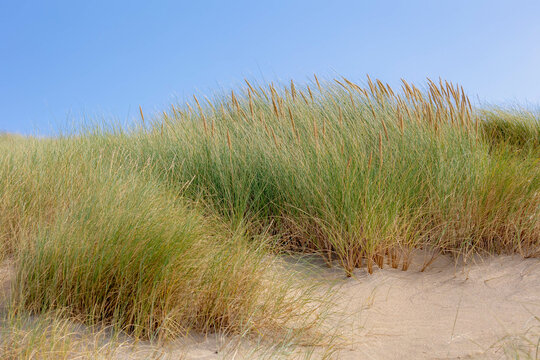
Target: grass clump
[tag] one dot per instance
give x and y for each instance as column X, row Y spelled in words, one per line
column 108, row 245
column 518, row 129
column 356, row 174
column 144, row 262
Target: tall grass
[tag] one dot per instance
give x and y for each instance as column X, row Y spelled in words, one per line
column 96, row 237
column 164, row 228
column 356, row 174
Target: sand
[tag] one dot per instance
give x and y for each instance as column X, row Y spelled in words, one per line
column 450, row 311
column 445, row 312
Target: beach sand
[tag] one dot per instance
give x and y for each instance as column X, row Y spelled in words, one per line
column 452, row 310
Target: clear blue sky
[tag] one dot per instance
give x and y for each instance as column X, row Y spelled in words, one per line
column 62, row 59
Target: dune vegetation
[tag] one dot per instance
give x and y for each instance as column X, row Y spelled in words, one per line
column 176, row 224
column 100, row 239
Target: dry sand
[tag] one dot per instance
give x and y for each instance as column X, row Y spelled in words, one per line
column 446, row 312
column 449, row 311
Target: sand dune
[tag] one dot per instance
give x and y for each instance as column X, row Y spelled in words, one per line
column 449, row 311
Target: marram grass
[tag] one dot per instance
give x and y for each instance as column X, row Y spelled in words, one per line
column 164, row 228
column 108, row 245
column 358, row 174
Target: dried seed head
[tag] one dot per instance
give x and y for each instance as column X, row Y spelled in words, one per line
column 202, row 114
column 317, row 81
column 351, row 84
column 197, row 101
column 371, row 86
column 251, row 87
column 142, row 115
column 382, row 88
column 310, row 93
column 294, row 126
column 385, row 129
column 274, row 105
column 303, row 97
column 340, row 83
column 251, row 105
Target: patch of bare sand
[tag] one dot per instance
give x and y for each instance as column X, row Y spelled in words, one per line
column 450, row 311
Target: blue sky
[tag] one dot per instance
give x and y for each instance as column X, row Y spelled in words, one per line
column 62, row 60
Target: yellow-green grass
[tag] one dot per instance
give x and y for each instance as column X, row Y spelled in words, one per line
column 517, row 129
column 92, row 234
column 356, row 174
column 165, row 228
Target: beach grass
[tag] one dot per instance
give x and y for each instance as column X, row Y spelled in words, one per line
column 358, row 174
column 175, row 224
column 101, row 240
